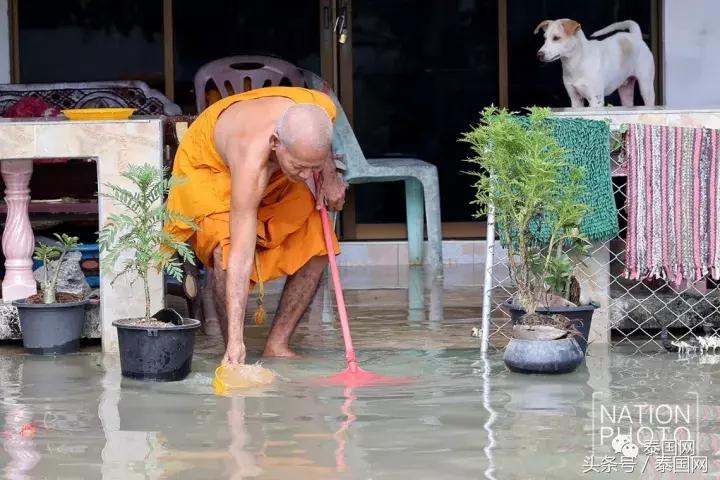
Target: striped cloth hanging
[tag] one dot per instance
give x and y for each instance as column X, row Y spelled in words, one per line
column 672, row 199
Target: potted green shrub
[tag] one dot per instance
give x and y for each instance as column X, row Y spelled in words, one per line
column 51, row 322
column 535, row 193
column 151, row 347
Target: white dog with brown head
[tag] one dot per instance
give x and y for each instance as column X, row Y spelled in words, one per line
column 593, row 69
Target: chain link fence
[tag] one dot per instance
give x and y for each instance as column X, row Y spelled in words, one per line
column 647, row 317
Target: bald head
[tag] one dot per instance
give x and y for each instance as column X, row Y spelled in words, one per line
column 302, row 141
column 305, row 126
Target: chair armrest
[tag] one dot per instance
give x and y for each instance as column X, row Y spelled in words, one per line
column 399, row 162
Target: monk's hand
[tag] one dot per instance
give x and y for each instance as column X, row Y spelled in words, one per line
column 235, row 354
column 331, row 192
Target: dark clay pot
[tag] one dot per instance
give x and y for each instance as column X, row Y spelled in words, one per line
column 158, row 354
column 543, row 356
column 582, row 316
column 51, row 328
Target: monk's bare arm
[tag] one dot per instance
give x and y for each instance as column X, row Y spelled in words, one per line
column 248, row 180
column 333, row 187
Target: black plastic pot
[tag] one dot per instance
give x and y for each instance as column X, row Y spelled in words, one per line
column 582, row 316
column 159, row 354
column 51, row 328
column 543, row 356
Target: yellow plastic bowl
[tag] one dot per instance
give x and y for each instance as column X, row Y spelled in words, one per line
column 99, row 113
column 229, row 378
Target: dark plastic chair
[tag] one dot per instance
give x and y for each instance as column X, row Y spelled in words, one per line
column 242, row 73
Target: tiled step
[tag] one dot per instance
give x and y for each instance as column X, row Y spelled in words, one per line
column 402, row 291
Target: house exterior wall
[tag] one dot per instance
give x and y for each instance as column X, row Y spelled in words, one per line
column 691, row 67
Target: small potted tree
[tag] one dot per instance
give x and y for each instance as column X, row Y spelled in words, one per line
column 153, row 347
column 535, row 193
column 51, row 322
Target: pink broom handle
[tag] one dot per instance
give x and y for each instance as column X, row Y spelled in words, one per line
column 342, row 310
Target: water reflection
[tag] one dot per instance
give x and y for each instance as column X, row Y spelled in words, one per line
column 419, row 305
column 488, row 426
column 47, row 410
column 19, row 444
column 339, row 436
column 19, row 430
column 548, row 394
column 466, row 417
column 238, row 461
column 243, row 462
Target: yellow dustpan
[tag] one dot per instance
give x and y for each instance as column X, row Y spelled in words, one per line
column 241, row 377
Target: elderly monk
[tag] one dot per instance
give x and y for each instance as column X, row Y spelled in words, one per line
column 248, row 161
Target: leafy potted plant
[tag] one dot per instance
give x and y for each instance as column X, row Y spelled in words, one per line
column 534, row 192
column 51, row 321
column 151, row 347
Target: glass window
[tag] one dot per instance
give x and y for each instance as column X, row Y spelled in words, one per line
column 423, row 70
column 535, row 83
column 91, row 40
column 213, row 29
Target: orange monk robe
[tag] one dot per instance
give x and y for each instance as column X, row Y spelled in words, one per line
column 289, row 229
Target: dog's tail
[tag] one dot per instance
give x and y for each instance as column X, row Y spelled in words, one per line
column 630, row 25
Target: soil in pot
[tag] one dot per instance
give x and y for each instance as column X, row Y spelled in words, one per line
column 581, row 315
column 142, row 323
column 61, row 297
column 152, row 350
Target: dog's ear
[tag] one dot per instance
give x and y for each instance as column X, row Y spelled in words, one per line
column 542, row 26
column 571, row 27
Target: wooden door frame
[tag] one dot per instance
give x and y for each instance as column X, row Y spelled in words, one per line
column 339, row 73
column 168, row 33
column 337, row 68
column 657, row 40
column 328, row 44
column 351, row 230
column 14, row 27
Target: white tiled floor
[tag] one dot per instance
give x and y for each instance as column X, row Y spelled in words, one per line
column 402, row 277
column 366, row 254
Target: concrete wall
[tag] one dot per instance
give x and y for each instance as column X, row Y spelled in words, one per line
column 692, row 66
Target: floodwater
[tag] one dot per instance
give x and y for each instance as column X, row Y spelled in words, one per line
column 466, row 416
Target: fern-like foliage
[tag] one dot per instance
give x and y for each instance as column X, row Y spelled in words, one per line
column 135, row 238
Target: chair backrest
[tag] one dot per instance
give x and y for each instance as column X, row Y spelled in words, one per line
column 242, row 73
column 123, row 94
column 344, row 140
column 267, row 71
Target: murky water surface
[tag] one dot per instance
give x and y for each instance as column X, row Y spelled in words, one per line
column 75, row 417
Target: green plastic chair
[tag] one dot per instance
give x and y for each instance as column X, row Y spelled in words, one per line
column 422, row 191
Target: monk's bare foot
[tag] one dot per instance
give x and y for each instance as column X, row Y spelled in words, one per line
column 279, row 351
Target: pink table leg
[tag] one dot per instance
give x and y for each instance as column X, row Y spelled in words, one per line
column 17, row 240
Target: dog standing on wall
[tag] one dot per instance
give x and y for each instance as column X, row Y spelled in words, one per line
column 593, row 69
